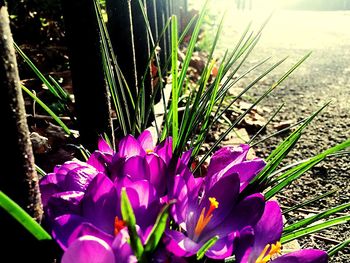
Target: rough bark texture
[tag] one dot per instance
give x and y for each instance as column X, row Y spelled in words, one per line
column 18, row 178
column 90, row 89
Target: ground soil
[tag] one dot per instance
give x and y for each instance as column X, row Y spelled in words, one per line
column 324, row 77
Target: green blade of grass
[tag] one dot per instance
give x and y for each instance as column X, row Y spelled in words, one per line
column 129, row 217
column 63, row 94
column 275, row 158
column 206, row 120
column 175, row 86
column 112, row 70
column 211, row 242
column 23, row 217
column 279, row 132
column 334, row 250
column 158, row 229
column 273, row 87
column 315, row 228
column 308, row 221
column 40, row 171
column 47, row 109
column 181, row 77
column 297, row 171
column 267, row 123
column 37, row 72
column 308, row 202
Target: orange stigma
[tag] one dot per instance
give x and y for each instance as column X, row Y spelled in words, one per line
column 118, row 225
column 268, row 252
column 204, row 218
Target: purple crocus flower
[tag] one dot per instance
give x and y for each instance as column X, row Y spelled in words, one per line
column 98, row 211
column 233, row 159
column 261, row 243
column 71, row 176
column 90, row 248
column 136, row 159
column 203, row 212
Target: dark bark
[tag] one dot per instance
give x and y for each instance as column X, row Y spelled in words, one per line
column 18, row 178
column 90, row 89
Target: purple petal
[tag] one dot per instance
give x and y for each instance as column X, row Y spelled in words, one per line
column 222, row 248
column 179, row 193
column 145, row 203
column 116, row 167
column 269, row 228
column 226, row 193
column 129, row 146
column 244, row 244
column 186, row 156
column 104, row 147
column 89, row 229
column 48, row 187
column 303, row 256
column 136, row 168
column 89, row 249
column 165, row 150
column 146, row 141
column 64, row 226
column 246, row 213
column 158, row 173
column 79, row 178
column 145, row 191
column 180, row 245
column 100, row 161
column 62, row 170
column 122, row 249
column 65, row 203
column 100, row 203
column 226, row 156
column 246, row 171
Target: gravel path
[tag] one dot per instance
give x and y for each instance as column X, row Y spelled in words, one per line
column 323, row 77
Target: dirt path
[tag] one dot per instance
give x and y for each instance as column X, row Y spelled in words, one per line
column 323, row 77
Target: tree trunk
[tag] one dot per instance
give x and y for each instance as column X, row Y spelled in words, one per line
column 18, row 178
column 90, row 88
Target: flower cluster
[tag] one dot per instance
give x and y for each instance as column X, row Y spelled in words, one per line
column 82, row 203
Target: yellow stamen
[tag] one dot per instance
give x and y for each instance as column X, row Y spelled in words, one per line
column 268, row 252
column 205, row 217
column 118, row 225
column 149, row 151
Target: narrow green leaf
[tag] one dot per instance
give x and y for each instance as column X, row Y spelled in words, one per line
column 158, row 229
column 201, row 252
column 129, row 217
column 23, row 217
column 231, row 259
column 267, row 123
column 297, row 171
column 40, row 171
column 275, row 158
column 308, row 202
column 239, row 119
column 334, row 250
column 312, row 219
column 174, row 90
column 47, row 109
column 37, row 71
column 315, row 228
